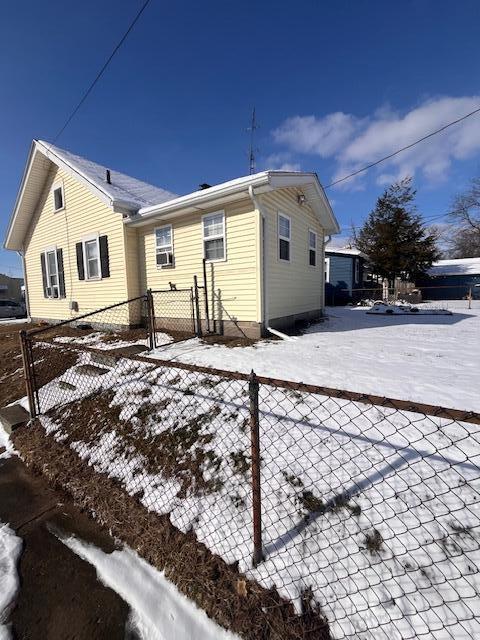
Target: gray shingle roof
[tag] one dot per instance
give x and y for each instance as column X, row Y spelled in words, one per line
column 125, row 189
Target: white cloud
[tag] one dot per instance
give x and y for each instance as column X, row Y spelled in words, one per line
column 353, row 142
column 281, row 162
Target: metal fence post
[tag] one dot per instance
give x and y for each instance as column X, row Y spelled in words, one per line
column 150, row 320
column 205, row 291
column 197, row 307
column 27, row 372
column 253, row 388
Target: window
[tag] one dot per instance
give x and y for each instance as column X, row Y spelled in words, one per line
column 312, row 248
column 92, row 259
column 52, row 274
column 214, row 236
column 327, row 269
column 283, row 237
column 357, row 270
column 164, row 246
column 58, row 197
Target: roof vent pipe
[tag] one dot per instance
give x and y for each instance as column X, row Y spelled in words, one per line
column 109, row 181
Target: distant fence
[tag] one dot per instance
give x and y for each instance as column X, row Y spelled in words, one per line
column 339, row 296
column 361, row 508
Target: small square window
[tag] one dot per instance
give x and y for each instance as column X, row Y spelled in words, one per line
column 58, row 198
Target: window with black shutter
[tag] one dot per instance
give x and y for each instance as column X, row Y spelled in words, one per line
column 92, row 258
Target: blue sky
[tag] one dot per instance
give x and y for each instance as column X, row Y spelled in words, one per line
column 335, row 84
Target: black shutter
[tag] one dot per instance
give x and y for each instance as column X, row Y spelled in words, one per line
column 80, row 266
column 104, row 261
column 44, row 275
column 61, row 275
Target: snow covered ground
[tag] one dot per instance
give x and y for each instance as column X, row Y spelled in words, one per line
column 159, row 610
column 430, row 359
column 376, row 511
column 10, row 548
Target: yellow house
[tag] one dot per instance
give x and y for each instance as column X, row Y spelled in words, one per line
column 90, row 237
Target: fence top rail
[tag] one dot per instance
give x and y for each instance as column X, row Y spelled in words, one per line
column 354, row 396
column 184, row 290
column 49, row 327
column 457, row 415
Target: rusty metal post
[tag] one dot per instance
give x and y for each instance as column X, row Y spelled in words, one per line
column 27, row 372
column 197, row 307
column 205, row 291
column 253, row 387
column 150, row 320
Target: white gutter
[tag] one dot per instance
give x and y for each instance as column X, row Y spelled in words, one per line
column 199, row 197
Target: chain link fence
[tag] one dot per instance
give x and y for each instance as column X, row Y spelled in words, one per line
column 359, row 510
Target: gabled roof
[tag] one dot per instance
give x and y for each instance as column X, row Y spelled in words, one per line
column 143, row 202
column 239, row 188
column 125, row 193
column 458, row 267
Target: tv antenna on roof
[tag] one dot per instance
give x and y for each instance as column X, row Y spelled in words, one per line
column 251, row 155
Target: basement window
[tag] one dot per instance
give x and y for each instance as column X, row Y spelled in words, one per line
column 284, row 237
column 58, row 199
column 214, row 236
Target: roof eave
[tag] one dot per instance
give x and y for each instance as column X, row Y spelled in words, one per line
column 11, row 223
column 264, row 181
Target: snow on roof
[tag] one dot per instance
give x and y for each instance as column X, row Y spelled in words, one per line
column 458, row 267
column 347, row 251
column 124, row 189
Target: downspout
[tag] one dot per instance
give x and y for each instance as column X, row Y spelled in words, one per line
column 263, row 262
column 27, row 297
column 326, row 240
column 263, row 266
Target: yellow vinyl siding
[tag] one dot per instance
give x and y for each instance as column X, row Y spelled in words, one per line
column 84, row 214
column 232, row 284
column 293, row 287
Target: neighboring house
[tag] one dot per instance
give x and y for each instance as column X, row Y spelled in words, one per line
column 344, row 273
column 91, row 237
column 10, row 288
column 451, row 279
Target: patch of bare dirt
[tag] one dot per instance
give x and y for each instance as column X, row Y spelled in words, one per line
column 49, row 363
column 59, row 596
column 226, row 595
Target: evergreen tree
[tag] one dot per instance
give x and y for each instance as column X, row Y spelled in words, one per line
column 393, row 237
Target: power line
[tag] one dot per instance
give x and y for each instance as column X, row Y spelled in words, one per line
column 428, row 219
column 408, row 146
column 102, row 70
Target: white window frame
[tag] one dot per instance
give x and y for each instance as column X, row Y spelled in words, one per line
column 313, row 248
column 58, row 185
column 282, row 237
column 356, row 273
column 85, row 261
column 326, row 269
column 218, row 236
column 53, row 250
column 164, row 248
